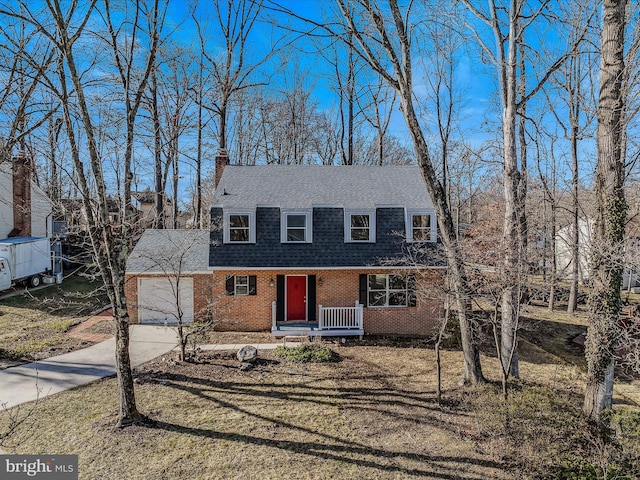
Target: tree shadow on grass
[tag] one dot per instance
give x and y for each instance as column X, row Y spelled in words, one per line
column 348, row 452
column 393, row 404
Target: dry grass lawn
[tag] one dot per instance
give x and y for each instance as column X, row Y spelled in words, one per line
column 372, row 415
column 34, row 325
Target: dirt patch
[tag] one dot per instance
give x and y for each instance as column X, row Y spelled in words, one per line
column 104, row 327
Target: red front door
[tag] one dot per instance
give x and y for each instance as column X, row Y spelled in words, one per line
column 296, row 297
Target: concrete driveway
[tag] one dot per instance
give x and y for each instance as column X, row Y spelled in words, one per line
column 28, row 382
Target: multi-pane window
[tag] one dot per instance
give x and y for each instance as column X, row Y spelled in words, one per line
column 241, row 285
column 421, row 228
column 360, row 228
column 296, row 227
column 239, row 228
column 388, row 290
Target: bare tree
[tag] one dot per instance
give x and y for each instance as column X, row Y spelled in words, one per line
column 233, row 68
column 66, row 28
column 383, row 38
column 506, row 26
column 377, row 112
column 572, row 106
column 25, row 57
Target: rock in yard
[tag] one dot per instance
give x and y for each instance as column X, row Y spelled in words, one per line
column 247, row 354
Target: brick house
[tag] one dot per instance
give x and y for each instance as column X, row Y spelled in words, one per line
column 311, row 249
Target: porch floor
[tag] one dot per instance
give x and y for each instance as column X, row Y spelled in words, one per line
column 311, row 329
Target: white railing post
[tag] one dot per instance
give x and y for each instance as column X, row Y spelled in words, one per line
column 273, row 315
column 340, row 317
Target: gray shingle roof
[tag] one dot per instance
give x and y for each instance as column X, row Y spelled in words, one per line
column 305, row 186
column 170, row 252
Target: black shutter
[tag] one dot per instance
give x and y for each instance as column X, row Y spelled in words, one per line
column 311, row 298
column 231, row 284
column 252, row 285
column 280, row 298
column 411, row 287
column 364, row 279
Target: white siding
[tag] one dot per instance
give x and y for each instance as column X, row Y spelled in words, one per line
column 564, row 239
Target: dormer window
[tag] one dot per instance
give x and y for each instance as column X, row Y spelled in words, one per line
column 360, row 226
column 239, row 227
column 421, row 226
column 296, row 227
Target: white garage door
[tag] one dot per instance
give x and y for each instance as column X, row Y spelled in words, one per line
column 158, row 300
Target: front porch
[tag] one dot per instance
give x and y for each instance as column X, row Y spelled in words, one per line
column 332, row 322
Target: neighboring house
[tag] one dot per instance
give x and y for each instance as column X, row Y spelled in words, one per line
column 309, row 249
column 25, row 210
column 145, row 203
column 564, row 241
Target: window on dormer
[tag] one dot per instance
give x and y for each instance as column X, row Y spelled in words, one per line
column 239, row 227
column 360, row 226
column 421, row 227
column 296, row 227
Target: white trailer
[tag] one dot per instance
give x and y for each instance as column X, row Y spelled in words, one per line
column 24, row 258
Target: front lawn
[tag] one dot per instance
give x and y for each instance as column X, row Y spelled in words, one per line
column 371, row 415
column 35, row 324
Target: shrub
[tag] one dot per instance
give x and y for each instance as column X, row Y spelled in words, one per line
column 307, row 353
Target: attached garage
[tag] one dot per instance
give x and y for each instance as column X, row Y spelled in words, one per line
column 158, row 259
column 159, row 299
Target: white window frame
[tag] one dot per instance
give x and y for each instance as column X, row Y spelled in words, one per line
column 307, row 229
column 372, row 225
column 388, row 291
column 227, row 226
column 237, row 283
column 409, row 225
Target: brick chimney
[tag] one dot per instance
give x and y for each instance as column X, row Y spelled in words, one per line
column 222, row 160
column 22, row 172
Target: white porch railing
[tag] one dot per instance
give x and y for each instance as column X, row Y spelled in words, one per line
column 331, row 318
column 274, row 322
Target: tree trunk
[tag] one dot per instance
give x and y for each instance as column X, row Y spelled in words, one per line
column 512, row 239
column 128, row 413
column 575, row 98
column 198, row 207
column 401, row 81
column 157, row 135
column 472, row 367
column 607, row 246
